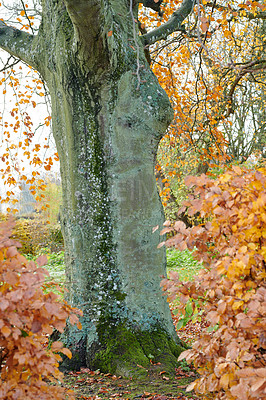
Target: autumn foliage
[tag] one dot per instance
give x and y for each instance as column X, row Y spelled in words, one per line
column 230, row 353
column 28, row 316
column 208, row 72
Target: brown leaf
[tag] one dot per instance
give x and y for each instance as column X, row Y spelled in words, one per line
column 4, row 304
column 154, row 229
column 11, row 252
column 5, row 331
column 166, row 230
column 191, row 386
column 36, row 326
column 42, row 260
column 67, row 352
column 258, row 384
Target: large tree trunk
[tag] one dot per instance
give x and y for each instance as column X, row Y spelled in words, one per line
column 108, row 114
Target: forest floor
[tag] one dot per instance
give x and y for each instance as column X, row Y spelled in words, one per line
column 93, row 385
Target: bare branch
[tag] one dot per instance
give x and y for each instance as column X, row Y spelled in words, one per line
column 10, row 65
column 173, row 25
column 17, row 43
column 247, row 68
column 249, row 15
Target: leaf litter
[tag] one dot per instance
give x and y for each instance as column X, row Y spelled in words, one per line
column 93, row 385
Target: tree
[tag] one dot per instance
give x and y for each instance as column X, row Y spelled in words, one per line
column 108, row 113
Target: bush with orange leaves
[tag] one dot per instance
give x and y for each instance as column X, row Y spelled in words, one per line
column 230, row 354
column 28, row 316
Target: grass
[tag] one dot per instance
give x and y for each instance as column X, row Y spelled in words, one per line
column 56, row 266
column 182, row 262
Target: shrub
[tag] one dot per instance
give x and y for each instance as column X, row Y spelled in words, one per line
column 34, row 234
column 230, row 354
column 27, row 317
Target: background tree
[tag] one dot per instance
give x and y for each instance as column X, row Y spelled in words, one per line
column 214, row 74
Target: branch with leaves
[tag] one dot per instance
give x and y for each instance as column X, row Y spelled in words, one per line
column 231, row 289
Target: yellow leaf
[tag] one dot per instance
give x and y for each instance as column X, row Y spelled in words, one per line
column 243, row 249
column 237, row 305
column 225, row 380
column 225, row 178
column 263, row 252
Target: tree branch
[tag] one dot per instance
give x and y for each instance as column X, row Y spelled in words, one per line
column 173, row 25
column 17, row 43
column 88, row 20
column 85, row 16
column 154, row 5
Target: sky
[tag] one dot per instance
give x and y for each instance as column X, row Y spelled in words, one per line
column 10, row 97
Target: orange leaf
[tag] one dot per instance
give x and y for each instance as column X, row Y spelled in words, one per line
column 67, row 352
column 5, row 331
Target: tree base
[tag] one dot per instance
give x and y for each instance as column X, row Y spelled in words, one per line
column 128, row 353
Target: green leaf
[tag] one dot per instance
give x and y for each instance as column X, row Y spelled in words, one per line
column 189, row 309
column 180, row 324
column 24, row 333
column 213, row 328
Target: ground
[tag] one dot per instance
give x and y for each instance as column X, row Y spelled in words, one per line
column 93, row 385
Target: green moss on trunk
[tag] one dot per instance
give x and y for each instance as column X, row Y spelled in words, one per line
column 130, row 353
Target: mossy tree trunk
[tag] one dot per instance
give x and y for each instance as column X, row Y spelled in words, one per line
column 108, row 114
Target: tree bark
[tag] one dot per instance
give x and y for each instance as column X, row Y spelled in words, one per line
column 108, row 114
